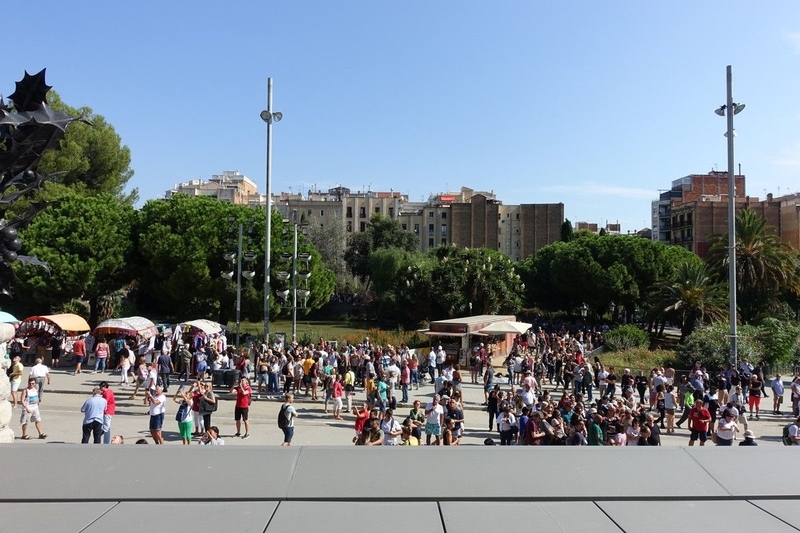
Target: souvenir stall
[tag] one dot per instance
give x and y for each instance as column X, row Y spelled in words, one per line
column 206, row 334
column 137, row 331
column 43, row 328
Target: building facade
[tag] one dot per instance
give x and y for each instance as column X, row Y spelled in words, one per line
column 230, row 186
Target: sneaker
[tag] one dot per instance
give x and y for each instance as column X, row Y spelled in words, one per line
column 237, row 434
column 246, row 436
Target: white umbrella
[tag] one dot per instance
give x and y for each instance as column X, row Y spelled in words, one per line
column 506, row 326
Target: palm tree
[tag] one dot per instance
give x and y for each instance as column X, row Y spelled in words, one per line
column 766, row 266
column 692, row 296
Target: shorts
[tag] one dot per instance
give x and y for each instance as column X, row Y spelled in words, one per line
column 337, row 404
column 753, row 401
column 433, row 429
column 185, row 429
column 241, row 413
column 697, row 434
column 33, row 416
column 671, row 412
column 79, row 359
column 156, row 422
column 15, row 386
column 288, row 433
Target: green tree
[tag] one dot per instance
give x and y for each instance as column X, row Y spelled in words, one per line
column 691, row 297
column 381, row 232
column 86, row 242
column 766, row 267
column 567, row 233
column 180, row 244
column 598, row 270
column 485, row 278
column 92, row 156
column 710, row 345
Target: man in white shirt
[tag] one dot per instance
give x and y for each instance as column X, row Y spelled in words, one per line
column 40, row 372
column 441, row 356
column 777, row 394
column 158, row 402
column 391, row 429
column 434, row 421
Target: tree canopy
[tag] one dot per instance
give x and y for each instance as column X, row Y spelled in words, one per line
column 381, row 232
column 86, row 242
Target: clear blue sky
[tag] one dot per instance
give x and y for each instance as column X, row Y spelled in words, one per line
column 593, row 104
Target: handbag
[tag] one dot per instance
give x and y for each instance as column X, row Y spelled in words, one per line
column 183, row 409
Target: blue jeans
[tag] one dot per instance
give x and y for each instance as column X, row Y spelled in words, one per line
column 404, row 388
column 100, row 362
column 274, row 388
column 106, row 429
column 588, row 390
column 510, row 376
column 415, row 377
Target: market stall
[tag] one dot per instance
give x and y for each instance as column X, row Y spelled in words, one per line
column 136, row 327
column 43, row 328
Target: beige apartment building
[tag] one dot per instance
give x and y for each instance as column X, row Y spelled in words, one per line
column 230, row 186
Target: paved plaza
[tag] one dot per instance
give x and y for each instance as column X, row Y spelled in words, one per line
column 61, row 417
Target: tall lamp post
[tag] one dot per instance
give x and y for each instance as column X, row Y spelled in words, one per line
column 269, row 117
column 584, row 311
column 235, row 259
column 302, row 275
column 728, row 111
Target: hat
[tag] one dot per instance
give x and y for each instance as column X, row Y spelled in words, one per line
column 592, row 411
column 748, row 434
column 698, row 373
column 440, row 347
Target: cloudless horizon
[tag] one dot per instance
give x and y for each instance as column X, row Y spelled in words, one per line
column 596, row 105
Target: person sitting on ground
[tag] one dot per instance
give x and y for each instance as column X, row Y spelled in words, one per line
column 211, row 437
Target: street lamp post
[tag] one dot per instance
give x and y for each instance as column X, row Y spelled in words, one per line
column 235, row 259
column 295, row 275
column 584, row 311
column 268, row 116
column 728, row 111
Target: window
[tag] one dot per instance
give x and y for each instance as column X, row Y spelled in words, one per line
column 430, row 228
column 322, row 212
column 349, row 226
column 363, row 227
column 444, row 241
column 309, row 212
column 444, row 229
column 517, row 216
column 430, row 242
column 416, row 229
column 444, row 214
column 362, row 212
column 349, row 212
column 378, row 210
column 430, row 214
column 322, row 226
column 404, row 226
column 391, row 212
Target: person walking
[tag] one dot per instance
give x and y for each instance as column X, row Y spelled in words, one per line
column 286, row 418
column 110, row 410
column 30, row 410
column 165, row 369
column 93, row 410
column 40, row 373
column 100, row 356
column 158, row 406
column 79, row 350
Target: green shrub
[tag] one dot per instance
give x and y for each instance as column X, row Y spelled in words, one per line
column 626, row 337
column 779, row 339
column 711, row 346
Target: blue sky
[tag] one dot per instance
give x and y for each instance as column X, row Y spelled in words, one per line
column 593, row 104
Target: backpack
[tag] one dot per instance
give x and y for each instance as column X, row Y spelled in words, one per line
column 15, row 348
column 785, row 438
column 283, row 418
column 180, row 414
column 10, row 370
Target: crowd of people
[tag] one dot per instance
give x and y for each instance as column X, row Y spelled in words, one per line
column 549, row 394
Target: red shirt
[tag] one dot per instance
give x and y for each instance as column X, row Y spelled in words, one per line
column 243, row 396
column 695, row 418
column 79, row 348
column 361, row 420
column 111, row 402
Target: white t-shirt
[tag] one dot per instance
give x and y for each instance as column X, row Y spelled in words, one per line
column 794, row 431
column 161, row 407
column 528, row 397
column 434, row 416
column 39, row 371
column 388, row 426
